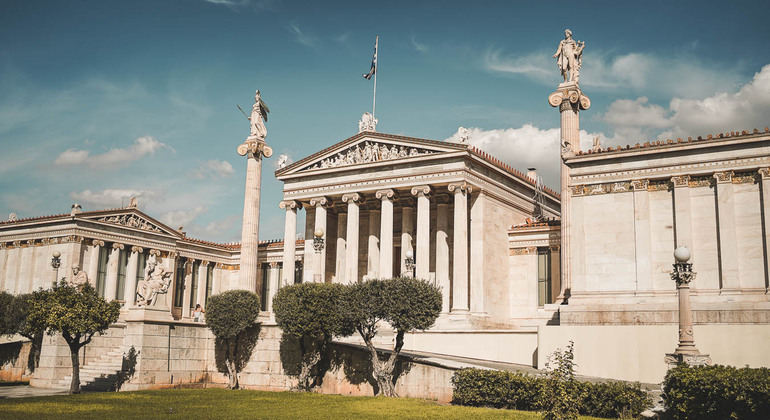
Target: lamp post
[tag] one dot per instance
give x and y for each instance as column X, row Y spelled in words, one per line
column 55, row 264
column 318, row 245
column 686, row 352
column 409, row 263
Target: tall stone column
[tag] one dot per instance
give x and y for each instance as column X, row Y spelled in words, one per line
column 272, row 285
column 728, row 240
column 422, row 256
column 111, row 281
column 460, row 275
column 442, row 249
column 188, row 266
column 373, row 247
column 93, row 261
column 351, row 253
column 308, row 266
column 386, row 232
column 253, row 148
column 129, row 293
column 407, row 230
column 320, row 204
column 570, row 100
column 477, row 254
column 289, row 240
column 765, row 179
column 202, row 274
column 340, row 271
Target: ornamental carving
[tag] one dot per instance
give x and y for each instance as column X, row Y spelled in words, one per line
column 745, row 178
column 621, row 187
column 290, row 205
column 353, row 198
column 370, row 152
column 724, row 177
column 640, row 184
column 524, row 251
column 680, row 181
column 659, row 185
column 577, row 190
column 764, row 173
column 701, row 181
column 131, row 220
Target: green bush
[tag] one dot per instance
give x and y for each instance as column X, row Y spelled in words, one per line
column 499, row 389
column 717, row 392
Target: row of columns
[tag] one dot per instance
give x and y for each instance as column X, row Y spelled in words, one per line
column 380, row 243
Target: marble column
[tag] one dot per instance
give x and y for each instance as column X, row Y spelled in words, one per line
column 309, row 253
column 422, row 256
column 643, row 235
column 253, row 148
column 129, row 292
column 477, row 278
column 319, row 270
column 111, row 280
column 570, row 100
column 460, row 251
column 351, row 238
column 442, row 249
column 386, row 232
column 272, row 285
column 728, row 240
column 373, row 247
column 289, row 240
column 340, row 271
column 203, row 269
column 765, row 188
column 93, row 261
column 407, row 231
column 188, row 266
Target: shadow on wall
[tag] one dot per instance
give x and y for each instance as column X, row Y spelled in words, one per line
column 127, row 369
column 246, row 342
column 353, row 361
column 9, row 353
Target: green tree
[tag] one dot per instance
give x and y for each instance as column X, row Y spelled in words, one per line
column 6, row 327
column 406, row 304
column 559, row 399
column 310, row 312
column 228, row 316
column 16, row 320
column 77, row 315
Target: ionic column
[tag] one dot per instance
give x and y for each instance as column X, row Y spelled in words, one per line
column 129, row 291
column 351, row 252
column 93, row 261
column 272, row 285
column 188, row 265
column 289, row 239
column 442, row 249
column 373, row 246
column 728, row 241
column 202, row 274
column 407, row 227
column 765, row 180
column 340, row 271
column 477, row 254
column 422, row 256
column 460, row 274
column 386, row 232
column 308, row 270
column 111, row 281
column 320, row 204
column 253, row 148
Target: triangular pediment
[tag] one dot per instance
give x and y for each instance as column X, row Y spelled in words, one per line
column 131, row 218
column 370, row 147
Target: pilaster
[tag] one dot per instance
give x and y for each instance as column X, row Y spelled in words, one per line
column 642, row 235
column 728, row 241
column 765, row 190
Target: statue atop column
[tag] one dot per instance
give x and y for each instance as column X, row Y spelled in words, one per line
column 258, row 117
column 569, row 57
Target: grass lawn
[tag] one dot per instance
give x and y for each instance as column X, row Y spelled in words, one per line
column 225, row 404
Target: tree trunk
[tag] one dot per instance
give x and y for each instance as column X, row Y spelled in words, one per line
column 75, row 384
column 382, row 371
column 309, row 360
column 231, row 368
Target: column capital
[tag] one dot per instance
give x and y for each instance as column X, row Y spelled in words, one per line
column 290, row 205
column 680, row 181
column 320, row 202
column 274, row 264
column 765, row 173
column 724, row 177
column 255, row 148
column 137, row 249
column 421, row 190
column 97, row 242
column 640, row 184
column 205, row 263
column 388, row 194
column 155, row 252
column 354, row 198
column 118, row 246
column 568, row 95
column 460, row 187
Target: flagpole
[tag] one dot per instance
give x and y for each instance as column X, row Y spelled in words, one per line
column 374, row 97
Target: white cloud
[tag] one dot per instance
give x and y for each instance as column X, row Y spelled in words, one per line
column 533, row 65
column 526, row 146
column 182, row 217
column 114, row 158
column 220, row 227
column 301, row 37
column 418, row 46
column 112, row 198
column 744, row 109
column 213, row 169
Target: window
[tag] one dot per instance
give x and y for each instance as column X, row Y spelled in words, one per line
column 543, row 276
column 298, row 272
column 194, row 283
column 265, row 287
column 122, row 266
column 140, row 267
column 101, row 271
column 209, row 281
column 179, row 284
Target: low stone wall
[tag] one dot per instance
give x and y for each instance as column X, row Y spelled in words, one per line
column 636, row 352
column 507, row 346
column 14, row 357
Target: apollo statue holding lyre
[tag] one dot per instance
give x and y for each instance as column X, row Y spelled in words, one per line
column 569, row 57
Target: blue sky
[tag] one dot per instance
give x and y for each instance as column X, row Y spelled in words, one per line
column 104, row 100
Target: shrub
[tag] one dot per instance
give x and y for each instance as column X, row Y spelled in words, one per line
column 716, row 392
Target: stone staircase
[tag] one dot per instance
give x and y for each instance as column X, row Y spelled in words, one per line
column 100, row 375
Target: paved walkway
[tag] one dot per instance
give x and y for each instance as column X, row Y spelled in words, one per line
column 23, row 391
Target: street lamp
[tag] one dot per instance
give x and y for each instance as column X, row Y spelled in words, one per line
column 318, row 245
column 409, row 263
column 55, row 264
column 686, row 352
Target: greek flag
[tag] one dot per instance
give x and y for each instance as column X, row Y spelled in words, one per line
column 373, row 70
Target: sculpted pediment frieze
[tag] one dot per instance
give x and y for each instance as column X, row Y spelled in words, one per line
column 368, row 151
column 133, row 220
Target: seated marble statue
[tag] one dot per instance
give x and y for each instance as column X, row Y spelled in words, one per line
column 79, row 278
column 156, row 281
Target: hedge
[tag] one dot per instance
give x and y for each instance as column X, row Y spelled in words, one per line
column 500, row 389
column 717, row 392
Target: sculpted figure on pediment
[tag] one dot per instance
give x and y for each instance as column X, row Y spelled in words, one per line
column 370, row 152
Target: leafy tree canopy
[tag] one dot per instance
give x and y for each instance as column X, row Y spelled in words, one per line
column 310, row 309
column 71, row 312
column 231, row 312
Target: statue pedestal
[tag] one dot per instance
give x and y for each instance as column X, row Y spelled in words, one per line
column 691, row 359
column 149, row 313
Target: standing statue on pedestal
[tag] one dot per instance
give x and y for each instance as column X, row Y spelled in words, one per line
column 258, row 117
column 569, row 57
